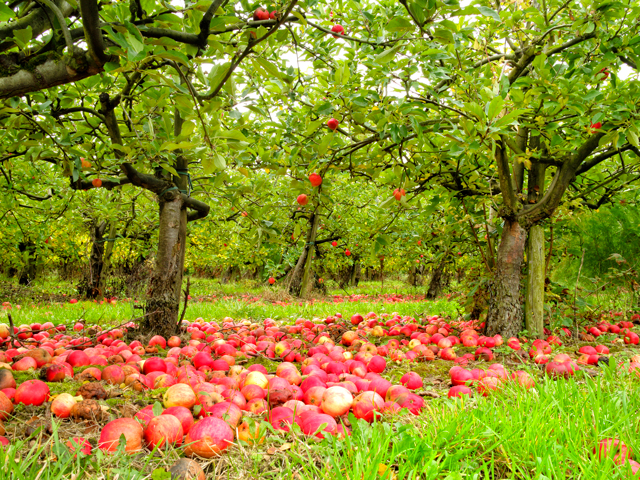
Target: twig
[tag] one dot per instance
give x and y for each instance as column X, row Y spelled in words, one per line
column 14, row 338
column 63, row 24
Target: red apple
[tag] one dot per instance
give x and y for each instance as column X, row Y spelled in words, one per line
column 162, row 430
column 315, row 179
column 112, row 431
column 179, row 395
column 61, row 405
column 32, row 392
column 208, row 437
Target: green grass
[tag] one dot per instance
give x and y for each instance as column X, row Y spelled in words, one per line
column 545, row 433
column 236, row 308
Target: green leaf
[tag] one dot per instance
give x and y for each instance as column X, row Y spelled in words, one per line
column 495, row 106
column 187, row 128
column 170, row 146
column 268, row 66
column 160, row 474
column 383, row 240
column 157, row 409
column 633, row 138
column 135, row 45
column 443, row 34
column 325, row 109
column 324, row 144
column 219, row 162
column 300, row 16
column 488, row 12
column 233, row 135
column 217, row 73
column 399, row 24
column 6, row 13
column 175, row 55
column 23, row 36
column 208, row 166
column 387, row 55
column 509, row 118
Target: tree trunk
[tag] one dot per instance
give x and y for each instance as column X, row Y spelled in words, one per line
column 93, row 277
column 355, row 271
column 297, row 284
column 163, row 294
column 534, row 306
column 382, row 273
column 505, row 310
column 106, row 259
column 435, row 285
column 28, row 272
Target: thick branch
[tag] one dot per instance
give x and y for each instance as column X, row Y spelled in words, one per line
column 49, row 74
column 108, row 184
column 144, row 180
column 588, row 165
column 504, row 176
column 194, row 39
column 92, row 32
column 200, row 209
column 561, row 181
column 205, row 23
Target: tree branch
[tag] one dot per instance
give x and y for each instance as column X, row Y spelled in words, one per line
column 92, row 31
column 37, row 19
column 205, row 23
column 63, row 24
column 50, row 73
column 588, row 165
column 144, row 180
column 201, row 209
column 563, row 177
column 504, row 176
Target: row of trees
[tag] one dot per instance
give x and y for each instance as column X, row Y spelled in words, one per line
column 504, row 112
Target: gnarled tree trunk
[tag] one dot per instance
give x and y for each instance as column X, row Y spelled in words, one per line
column 163, row 294
column 505, row 307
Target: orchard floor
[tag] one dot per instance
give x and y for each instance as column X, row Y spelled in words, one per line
column 548, row 432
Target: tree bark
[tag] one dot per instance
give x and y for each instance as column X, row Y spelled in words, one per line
column 163, row 294
column 505, row 310
column 435, row 285
column 296, row 282
column 93, row 277
column 355, row 273
column 106, row 262
column 534, row 306
column 28, row 272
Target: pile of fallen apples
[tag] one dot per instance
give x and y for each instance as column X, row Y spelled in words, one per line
column 327, row 369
